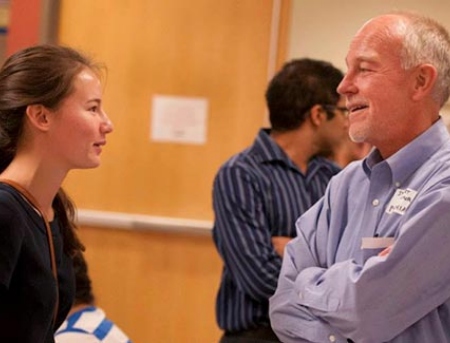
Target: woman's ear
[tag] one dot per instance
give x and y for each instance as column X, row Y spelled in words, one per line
column 38, row 116
column 424, row 79
column 317, row 115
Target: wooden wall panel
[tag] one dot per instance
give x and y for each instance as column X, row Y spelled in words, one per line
column 201, row 48
column 159, row 287
column 284, row 34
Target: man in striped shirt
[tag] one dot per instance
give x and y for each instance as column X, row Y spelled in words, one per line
column 260, row 192
column 87, row 323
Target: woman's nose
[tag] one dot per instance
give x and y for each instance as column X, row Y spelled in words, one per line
column 107, row 125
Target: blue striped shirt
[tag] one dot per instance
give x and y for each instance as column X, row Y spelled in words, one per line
column 257, row 194
column 89, row 325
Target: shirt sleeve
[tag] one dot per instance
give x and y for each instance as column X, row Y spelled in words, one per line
column 243, row 235
column 11, row 237
column 376, row 301
column 291, row 320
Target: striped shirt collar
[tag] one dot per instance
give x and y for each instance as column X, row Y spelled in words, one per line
column 265, row 150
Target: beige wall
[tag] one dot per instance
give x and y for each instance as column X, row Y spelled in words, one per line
column 323, row 28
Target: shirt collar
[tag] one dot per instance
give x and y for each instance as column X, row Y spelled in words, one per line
column 267, row 150
column 408, row 159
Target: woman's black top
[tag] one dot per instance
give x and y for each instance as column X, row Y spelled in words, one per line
column 27, row 285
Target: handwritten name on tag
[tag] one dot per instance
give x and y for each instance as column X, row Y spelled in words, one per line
column 401, row 200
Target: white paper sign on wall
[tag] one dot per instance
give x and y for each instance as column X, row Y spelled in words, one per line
column 176, row 119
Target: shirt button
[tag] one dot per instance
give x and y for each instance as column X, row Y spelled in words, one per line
column 332, row 338
column 397, row 184
column 300, row 295
column 375, row 202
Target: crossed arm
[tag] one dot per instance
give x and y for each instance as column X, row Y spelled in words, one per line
column 371, row 302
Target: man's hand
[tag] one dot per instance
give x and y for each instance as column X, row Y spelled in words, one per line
column 279, row 242
column 386, row 251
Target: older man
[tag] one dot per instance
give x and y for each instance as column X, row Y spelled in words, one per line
column 370, row 261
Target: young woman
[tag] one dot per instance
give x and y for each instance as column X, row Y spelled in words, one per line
column 51, row 121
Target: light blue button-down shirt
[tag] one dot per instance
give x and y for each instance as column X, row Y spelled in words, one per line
column 331, row 289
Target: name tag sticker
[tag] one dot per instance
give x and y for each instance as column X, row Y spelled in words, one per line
column 376, row 242
column 401, row 200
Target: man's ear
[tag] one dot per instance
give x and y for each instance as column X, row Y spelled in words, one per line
column 317, row 115
column 38, row 116
column 424, row 79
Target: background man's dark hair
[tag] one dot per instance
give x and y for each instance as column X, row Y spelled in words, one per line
column 298, row 86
